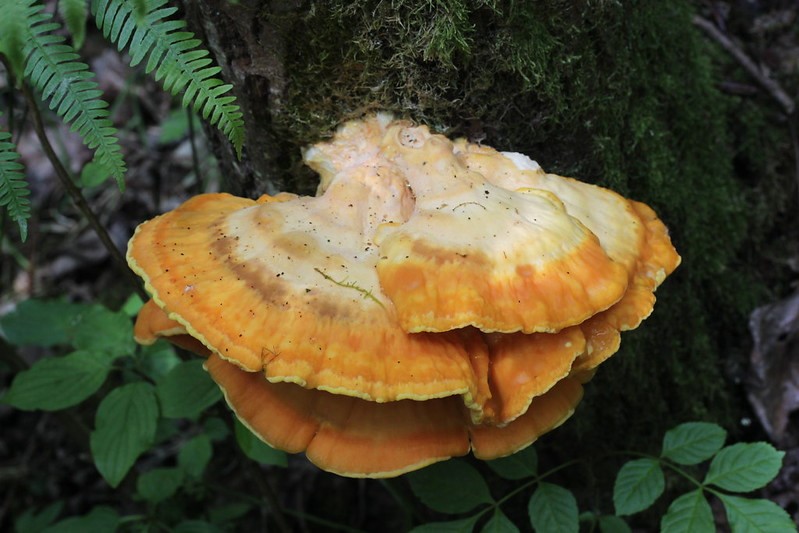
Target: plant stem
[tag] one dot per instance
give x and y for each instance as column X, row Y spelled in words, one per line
column 77, row 196
column 195, row 160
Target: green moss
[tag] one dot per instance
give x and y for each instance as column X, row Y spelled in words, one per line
column 622, row 94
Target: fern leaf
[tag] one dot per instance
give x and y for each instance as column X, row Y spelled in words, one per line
column 53, row 68
column 175, row 56
column 14, row 190
column 13, row 30
column 74, row 13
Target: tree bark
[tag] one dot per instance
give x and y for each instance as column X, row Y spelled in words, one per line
column 251, row 52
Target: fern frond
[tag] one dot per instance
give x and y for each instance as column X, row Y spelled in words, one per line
column 14, row 190
column 13, row 30
column 74, row 13
column 175, row 55
column 53, row 68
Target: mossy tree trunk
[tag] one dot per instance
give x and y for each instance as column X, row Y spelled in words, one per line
column 618, row 93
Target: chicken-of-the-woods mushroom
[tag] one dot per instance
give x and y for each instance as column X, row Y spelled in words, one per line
column 433, row 298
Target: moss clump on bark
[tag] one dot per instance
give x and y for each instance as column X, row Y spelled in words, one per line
column 618, row 93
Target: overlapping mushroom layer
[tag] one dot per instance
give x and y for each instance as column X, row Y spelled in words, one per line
column 434, row 297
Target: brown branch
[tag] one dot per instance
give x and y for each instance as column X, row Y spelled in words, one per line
column 77, row 196
column 770, row 85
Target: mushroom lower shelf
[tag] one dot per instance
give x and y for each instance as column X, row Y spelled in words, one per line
column 433, row 298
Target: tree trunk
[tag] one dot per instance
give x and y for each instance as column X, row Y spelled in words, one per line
column 619, row 93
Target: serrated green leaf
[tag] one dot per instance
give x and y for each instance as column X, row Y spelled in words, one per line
column 613, row 524
column 102, row 330
column 553, row 508
column 194, row 455
column 499, row 523
column 31, row 521
column 464, row 525
column 159, row 484
column 187, row 390
column 256, row 449
column 157, row 360
column 690, row 513
column 124, row 428
column 40, row 322
column 639, row 483
column 756, row 516
column 101, row 519
column 453, row 486
column 59, row 382
column 520, row 465
column 693, row 442
column 744, row 467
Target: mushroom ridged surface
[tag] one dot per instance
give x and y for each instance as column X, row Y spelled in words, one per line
column 433, row 298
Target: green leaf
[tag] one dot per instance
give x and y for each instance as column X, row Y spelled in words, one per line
column 196, row 526
column 690, row 513
column 187, row 390
column 59, row 382
column 157, row 360
column 124, row 428
column 53, row 67
column 159, row 484
column 215, row 428
column 101, row 519
column 40, row 322
column 499, row 523
column 227, row 513
column 93, row 174
column 638, row 484
column 74, row 13
column 464, row 525
column 553, row 508
column 132, row 305
column 693, row 442
column 256, row 449
column 33, row 522
column 194, row 455
column 744, row 467
column 14, row 190
column 613, row 524
column 175, row 55
column 100, row 329
column 53, row 322
column 453, row 486
column 756, row 516
column 520, row 465
column 12, row 35
column 175, row 127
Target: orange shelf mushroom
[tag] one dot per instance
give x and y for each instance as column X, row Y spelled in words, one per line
column 433, row 298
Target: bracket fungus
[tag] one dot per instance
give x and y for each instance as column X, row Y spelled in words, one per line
column 433, row 298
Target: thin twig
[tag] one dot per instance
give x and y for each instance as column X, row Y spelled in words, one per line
column 768, row 84
column 77, row 196
column 195, row 160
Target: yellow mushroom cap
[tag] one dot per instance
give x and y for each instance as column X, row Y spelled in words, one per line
column 628, row 231
column 434, row 297
column 357, row 438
